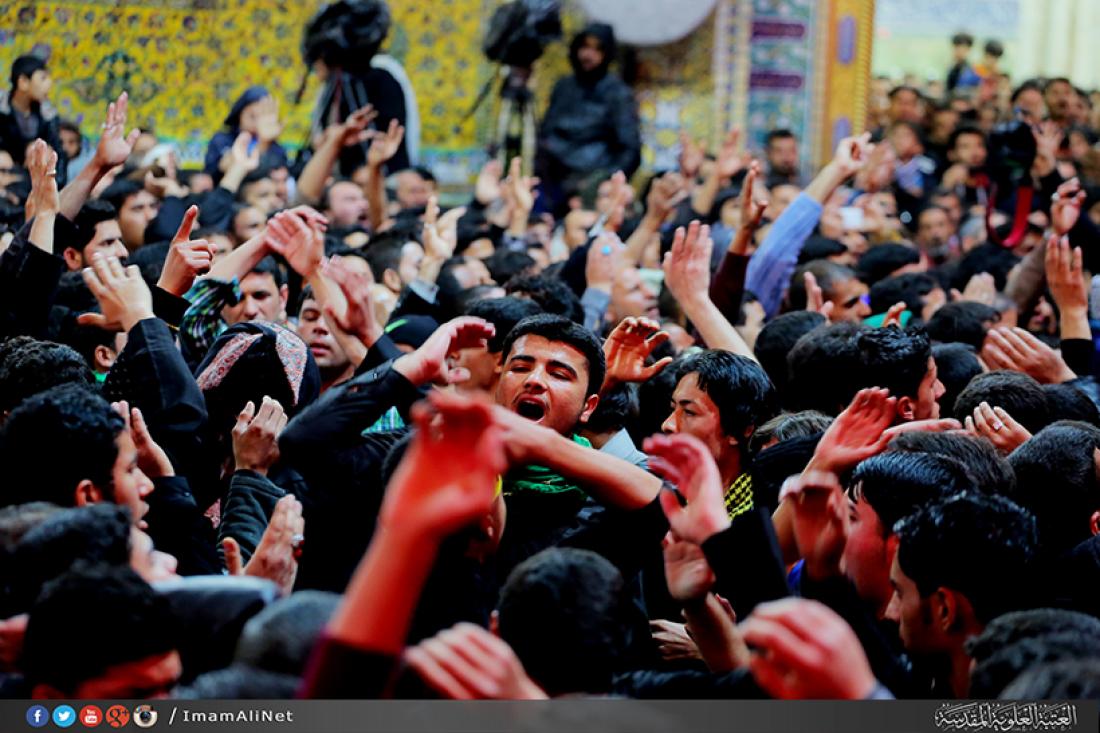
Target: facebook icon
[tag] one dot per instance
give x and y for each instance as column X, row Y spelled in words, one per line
column 38, row 716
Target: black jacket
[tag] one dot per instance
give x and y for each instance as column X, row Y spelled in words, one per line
column 15, row 142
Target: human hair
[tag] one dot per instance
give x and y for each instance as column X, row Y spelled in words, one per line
column 504, row 314
column 557, row 328
column 1070, row 403
column 1077, row 679
column 975, row 544
column 778, row 337
column 654, row 397
column 552, row 295
column 896, row 484
column 989, row 470
column 960, row 131
column 822, row 369
column 818, row 247
column 788, row 426
column 956, row 365
column 280, row 637
column 118, row 192
column 617, row 407
column 991, row 258
column 1014, row 626
column 19, row 519
column 109, row 614
column 29, row 366
column 780, row 133
column 964, row 322
column 910, row 288
column 1016, row 393
column 384, row 253
column 991, row 675
column 1030, row 85
column 1056, row 479
column 26, row 65
column 505, row 264
column 881, row 260
column 962, row 39
column 737, row 385
column 564, row 612
column 904, row 88
column 894, row 358
column 994, row 48
column 94, row 534
column 269, row 266
column 68, row 415
column 1055, row 80
column 829, row 275
column 239, row 682
column 464, row 299
column 91, row 214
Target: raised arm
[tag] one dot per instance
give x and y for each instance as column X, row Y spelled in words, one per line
column 353, row 131
column 382, row 149
column 113, row 149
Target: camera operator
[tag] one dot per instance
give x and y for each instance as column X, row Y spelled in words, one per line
column 591, row 126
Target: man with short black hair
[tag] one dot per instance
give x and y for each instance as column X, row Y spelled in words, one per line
column 98, row 231
column 26, row 114
column 136, row 208
column 781, row 150
column 127, row 635
column 958, row 566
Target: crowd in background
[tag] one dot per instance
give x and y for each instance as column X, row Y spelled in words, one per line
column 282, row 426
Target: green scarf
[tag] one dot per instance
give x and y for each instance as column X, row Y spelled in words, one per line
column 541, row 479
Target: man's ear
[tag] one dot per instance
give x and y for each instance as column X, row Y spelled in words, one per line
column 87, row 493
column 906, row 409
column 74, row 260
column 945, row 609
column 391, row 278
column 104, row 358
column 284, row 296
column 1094, row 523
column 589, row 407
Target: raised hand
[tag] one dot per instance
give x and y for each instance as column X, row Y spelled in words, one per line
column 239, row 156
column 997, row 426
column 276, row 557
column 487, row 189
column 803, row 650
column 981, row 288
column 300, row 241
column 151, row 458
column 1066, row 277
column 124, row 298
column 603, row 261
column 729, row 161
column 819, row 512
column 1065, row 210
column 752, row 209
column 687, row 572
column 256, row 436
column 815, row 298
column 353, row 130
column 893, row 315
column 41, row 163
column 115, row 145
column 521, row 188
column 358, row 318
column 447, row 478
column 858, row 433
column 687, row 264
column 429, row 363
column 466, row 662
column 187, row 258
column 1018, row 350
column 852, row 153
column 686, row 463
column 628, row 346
column 385, row 145
column 665, row 194
column 691, row 156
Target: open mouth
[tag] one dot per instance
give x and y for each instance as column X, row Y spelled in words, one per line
column 531, row 409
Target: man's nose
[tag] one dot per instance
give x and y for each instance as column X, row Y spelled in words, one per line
column 669, row 425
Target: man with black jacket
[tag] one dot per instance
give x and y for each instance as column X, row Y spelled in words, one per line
column 26, row 115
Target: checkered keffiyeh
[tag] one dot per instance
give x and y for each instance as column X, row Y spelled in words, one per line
column 739, row 496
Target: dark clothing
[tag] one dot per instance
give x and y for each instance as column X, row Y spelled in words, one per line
column 247, row 510
column 215, row 212
column 589, row 129
column 17, row 131
column 747, row 563
column 28, row 281
column 347, row 93
column 178, row 527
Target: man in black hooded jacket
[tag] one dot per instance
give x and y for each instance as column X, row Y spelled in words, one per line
column 591, row 126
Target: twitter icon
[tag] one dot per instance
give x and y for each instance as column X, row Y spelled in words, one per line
column 63, row 716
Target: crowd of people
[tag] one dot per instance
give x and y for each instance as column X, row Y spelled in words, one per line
column 275, row 429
